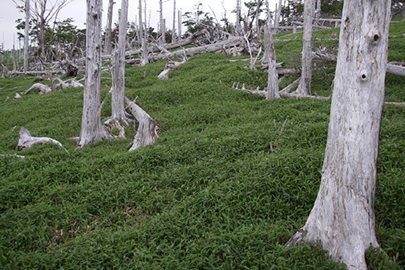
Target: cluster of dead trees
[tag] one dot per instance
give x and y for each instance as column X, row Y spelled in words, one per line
column 342, row 219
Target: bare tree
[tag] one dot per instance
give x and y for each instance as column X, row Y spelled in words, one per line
column 174, row 22
column 118, row 69
column 238, row 13
column 91, row 128
column 342, row 218
column 26, row 33
column 304, row 87
column 108, row 28
column 270, row 53
column 44, row 11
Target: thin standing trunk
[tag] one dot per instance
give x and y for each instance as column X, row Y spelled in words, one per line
column 278, row 15
column 174, row 22
column 237, row 22
column 91, row 128
column 318, row 11
column 304, row 87
column 179, row 24
column 108, row 28
column 161, row 24
column 343, row 219
column 118, row 82
column 270, row 54
column 26, row 33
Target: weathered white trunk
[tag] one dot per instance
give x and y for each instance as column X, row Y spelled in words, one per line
column 161, row 24
column 118, row 69
column 26, row 33
column 147, row 128
column 107, row 41
column 179, row 19
column 272, row 77
column 91, row 128
column 304, row 87
column 237, row 23
column 277, row 20
column 318, row 11
column 174, row 22
column 342, row 218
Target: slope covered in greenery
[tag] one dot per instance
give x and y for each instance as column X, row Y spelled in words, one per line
column 207, row 195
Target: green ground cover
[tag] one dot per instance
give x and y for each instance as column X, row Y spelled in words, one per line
column 223, row 203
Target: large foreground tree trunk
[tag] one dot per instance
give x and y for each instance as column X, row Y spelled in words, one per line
column 304, row 87
column 91, row 128
column 342, row 218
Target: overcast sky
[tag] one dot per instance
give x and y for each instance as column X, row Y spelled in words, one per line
column 76, row 9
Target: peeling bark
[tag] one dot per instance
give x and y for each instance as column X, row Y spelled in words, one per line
column 147, row 128
column 91, row 128
column 342, row 219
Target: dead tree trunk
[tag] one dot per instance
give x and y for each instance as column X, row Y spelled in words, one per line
column 26, row 33
column 147, row 128
column 272, row 77
column 91, row 128
column 238, row 28
column 161, row 24
column 107, row 41
column 304, row 87
column 174, row 22
column 118, row 69
column 342, row 218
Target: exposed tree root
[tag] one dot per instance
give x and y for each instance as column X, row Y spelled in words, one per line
column 43, row 89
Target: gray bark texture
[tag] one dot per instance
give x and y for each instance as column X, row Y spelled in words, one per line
column 26, row 33
column 342, row 218
column 272, row 75
column 304, row 87
column 147, row 128
column 118, row 69
column 91, row 128
column 108, row 29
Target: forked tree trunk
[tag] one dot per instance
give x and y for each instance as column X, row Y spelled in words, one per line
column 26, row 33
column 342, row 218
column 107, row 41
column 304, row 87
column 118, row 69
column 91, row 128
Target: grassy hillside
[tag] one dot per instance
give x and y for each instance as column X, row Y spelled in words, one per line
column 222, row 203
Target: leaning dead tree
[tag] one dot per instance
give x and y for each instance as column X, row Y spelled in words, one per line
column 91, row 128
column 147, row 127
column 342, row 219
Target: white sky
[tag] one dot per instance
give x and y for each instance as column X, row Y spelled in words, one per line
column 77, row 10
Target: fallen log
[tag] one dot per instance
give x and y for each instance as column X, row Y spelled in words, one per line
column 170, row 46
column 26, row 140
column 147, row 128
column 43, row 89
column 396, row 68
column 14, row 155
